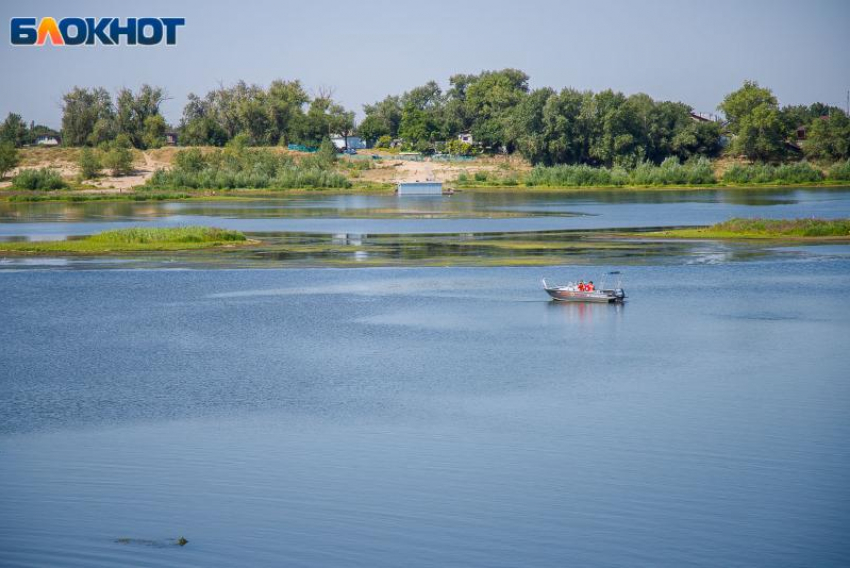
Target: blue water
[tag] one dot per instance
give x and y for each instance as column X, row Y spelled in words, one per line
column 426, row 417
column 355, row 214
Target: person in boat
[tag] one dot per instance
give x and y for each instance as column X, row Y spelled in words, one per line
column 589, row 287
column 581, row 286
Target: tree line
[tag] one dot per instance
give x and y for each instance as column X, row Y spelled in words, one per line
column 497, row 108
column 607, row 128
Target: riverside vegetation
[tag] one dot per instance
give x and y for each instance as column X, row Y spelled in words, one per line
column 238, row 167
column 135, row 240
column 697, row 172
column 587, row 138
column 766, row 229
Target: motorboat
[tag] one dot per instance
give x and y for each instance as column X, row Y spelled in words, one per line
column 571, row 292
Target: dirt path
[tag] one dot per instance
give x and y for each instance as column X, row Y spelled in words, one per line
column 111, row 184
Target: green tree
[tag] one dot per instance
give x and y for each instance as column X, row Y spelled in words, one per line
column 118, row 158
column 103, row 131
column 9, row 158
column 697, row 138
column 324, row 119
column 89, row 163
column 372, row 128
column 741, row 104
column 202, row 131
column 828, row 138
column 417, row 126
column 615, row 133
column 527, row 129
column 327, row 154
column 761, row 134
column 384, row 141
column 488, row 100
column 133, row 112
column 154, row 132
column 284, row 105
column 190, row 161
column 81, row 111
column 13, row 130
column 459, row 148
column 382, row 119
column 341, row 122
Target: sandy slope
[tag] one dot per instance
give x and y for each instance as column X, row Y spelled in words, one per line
column 388, row 169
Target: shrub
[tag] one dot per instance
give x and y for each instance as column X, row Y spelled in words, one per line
column 459, row 148
column 119, row 160
column 840, row 171
column 89, row 164
column 191, row 160
column 41, row 179
column 800, row 172
column 575, row 176
column 245, row 168
column 786, row 227
column 138, row 235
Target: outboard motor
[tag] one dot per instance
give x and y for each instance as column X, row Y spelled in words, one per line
column 620, row 294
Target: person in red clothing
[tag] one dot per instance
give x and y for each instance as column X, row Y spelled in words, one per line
column 589, row 287
column 581, row 286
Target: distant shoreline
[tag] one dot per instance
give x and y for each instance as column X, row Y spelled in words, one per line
column 72, row 195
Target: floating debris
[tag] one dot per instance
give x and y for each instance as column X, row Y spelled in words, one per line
column 164, row 543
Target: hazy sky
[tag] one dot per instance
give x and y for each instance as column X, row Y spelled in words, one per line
column 680, row 50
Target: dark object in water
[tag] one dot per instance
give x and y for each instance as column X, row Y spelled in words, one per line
column 571, row 293
column 154, row 543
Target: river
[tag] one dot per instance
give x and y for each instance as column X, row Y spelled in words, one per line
column 429, row 416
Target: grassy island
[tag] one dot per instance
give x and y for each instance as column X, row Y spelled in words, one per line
column 133, row 240
column 832, row 229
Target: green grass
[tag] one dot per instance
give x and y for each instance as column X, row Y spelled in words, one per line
column 135, row 239
column 797, row 173
column 765, row 229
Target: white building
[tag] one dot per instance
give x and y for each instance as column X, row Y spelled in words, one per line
column 47, row 141
column 351, row 142
column 465, row 137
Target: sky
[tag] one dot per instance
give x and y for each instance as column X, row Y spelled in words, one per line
column 689, row 51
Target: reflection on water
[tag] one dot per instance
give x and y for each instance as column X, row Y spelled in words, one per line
column 585, row 313
column 465, row 212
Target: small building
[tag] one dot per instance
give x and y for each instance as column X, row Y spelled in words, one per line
column 420, row 188
column 465, row 137
column 48, row 141
column 171, row 139
column 349, row 142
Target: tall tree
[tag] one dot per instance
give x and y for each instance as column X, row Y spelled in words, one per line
column 526, row 128
column 133, row 110
column 8, row 157
column 14, row 130
column 761, row 134
column 489, row 98
column 828, row 137
column 754, row 117
column 743, row 102
column 81, row 110
column 383, row 118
